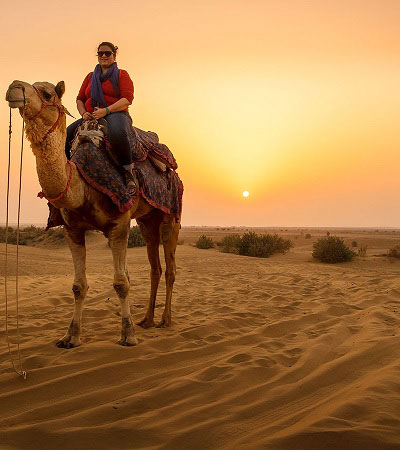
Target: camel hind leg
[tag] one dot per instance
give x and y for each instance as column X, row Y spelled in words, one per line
column 169, row 233
column 76, row 242
column 150, row 228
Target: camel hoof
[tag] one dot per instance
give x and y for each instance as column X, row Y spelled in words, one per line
column 164, row 324
column 66, row 343
column 146, row 323
column 125, row 342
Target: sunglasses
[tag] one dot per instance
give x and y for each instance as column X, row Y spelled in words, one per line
column 107, row 53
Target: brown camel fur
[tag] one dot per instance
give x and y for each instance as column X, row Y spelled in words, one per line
column 83, row 208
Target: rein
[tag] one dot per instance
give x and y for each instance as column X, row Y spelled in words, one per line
column 61, row 110
column 21, row 371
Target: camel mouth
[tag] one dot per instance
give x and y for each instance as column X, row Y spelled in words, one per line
column 16, row 103
column 15, row 96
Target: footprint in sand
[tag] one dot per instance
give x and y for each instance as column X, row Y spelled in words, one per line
column 265, row 362
column 214, row 338
column 296, row 351
column 239, row 358
column 215, row 373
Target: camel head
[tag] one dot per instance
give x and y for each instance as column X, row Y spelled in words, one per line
column 40, row 105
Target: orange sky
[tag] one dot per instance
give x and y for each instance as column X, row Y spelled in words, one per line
column 295, row 101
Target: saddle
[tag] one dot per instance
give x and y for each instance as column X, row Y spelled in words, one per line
column 144, row 144
column 154, row 169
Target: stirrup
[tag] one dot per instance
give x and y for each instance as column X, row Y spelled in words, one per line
column 130, row 181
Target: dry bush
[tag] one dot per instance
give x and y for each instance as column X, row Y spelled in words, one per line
column 27, row 236
column 135, row 238
column 204, row 242
column 230, row 243
column 263, row 245
column 307, row 236
column 394, row 252
column 332, row 249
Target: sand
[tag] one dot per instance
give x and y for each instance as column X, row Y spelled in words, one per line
column 278, row 353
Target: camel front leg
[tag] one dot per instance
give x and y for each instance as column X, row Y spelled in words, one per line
column 118, row 239
column 76, row 242
column 169, row 231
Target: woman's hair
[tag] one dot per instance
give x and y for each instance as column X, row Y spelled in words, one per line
column 113, row 47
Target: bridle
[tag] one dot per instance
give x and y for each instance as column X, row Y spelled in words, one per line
column 61, row 110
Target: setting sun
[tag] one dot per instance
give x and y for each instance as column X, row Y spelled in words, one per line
column 246, row 193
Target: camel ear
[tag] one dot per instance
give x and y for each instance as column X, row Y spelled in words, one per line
column 60, row 89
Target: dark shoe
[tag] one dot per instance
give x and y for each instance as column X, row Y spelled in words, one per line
column 130, row 181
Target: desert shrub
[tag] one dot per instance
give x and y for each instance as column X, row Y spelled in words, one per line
column 135, row 238
column 263, row 245
column 181, row 241
column 204, row 242
column 362, row 251
column 354, row 244
column 27, row 236
column 56, row 233
column 394, row 252
column 230, row 243
column 11, row 235
column 307, row 236
column 332, row 250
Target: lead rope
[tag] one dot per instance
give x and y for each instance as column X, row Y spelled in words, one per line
column 20, row 372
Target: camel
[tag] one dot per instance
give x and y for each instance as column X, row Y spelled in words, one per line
column 83, row 208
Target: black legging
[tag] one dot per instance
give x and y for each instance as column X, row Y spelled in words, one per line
column 120, row 135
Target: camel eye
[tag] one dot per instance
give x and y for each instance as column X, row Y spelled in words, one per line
column 46, row 95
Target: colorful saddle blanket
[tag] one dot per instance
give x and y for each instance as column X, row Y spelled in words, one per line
column 163, row 190
column 142, row 143
column 150, row 145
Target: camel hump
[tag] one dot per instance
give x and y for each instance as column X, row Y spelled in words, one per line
column 144, row 144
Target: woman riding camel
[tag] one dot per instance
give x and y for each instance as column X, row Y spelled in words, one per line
column 107, row 93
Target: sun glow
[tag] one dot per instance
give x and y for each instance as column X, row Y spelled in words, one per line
column 246, row 193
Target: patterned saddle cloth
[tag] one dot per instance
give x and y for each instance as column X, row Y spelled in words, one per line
column 163, row 190
column 144, row 144
column 94, row 160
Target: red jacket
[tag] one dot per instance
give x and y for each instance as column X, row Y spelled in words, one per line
column 110, row 96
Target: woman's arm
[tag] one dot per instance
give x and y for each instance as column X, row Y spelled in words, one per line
column 80, row 100
column 81, row 107
column 119, row 105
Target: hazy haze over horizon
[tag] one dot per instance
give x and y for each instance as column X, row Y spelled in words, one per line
column 296, row 101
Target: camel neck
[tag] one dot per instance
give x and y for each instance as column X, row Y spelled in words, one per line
column 53, row 171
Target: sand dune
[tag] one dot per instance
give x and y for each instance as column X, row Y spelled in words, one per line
column 279, row 353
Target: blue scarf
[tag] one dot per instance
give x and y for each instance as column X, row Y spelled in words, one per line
column 96, row 91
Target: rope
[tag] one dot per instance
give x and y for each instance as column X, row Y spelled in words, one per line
column 41, row 194
column 21, row 371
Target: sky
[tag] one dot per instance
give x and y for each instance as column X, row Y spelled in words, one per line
column 295, row 101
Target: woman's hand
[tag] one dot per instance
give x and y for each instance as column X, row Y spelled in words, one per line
column 98, row 113
column 86, row 116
